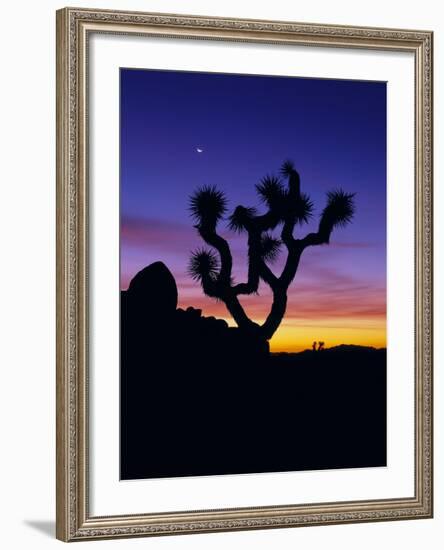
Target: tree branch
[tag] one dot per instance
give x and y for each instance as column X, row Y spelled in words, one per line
column 257, row 267
column 314, row 239
column 210, row 236
column 252, row 283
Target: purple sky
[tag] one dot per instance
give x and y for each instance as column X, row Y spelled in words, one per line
column 334, row 131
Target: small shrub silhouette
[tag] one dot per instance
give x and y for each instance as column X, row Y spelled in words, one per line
column 286, row 207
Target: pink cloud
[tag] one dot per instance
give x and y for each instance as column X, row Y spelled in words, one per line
column 135, row 232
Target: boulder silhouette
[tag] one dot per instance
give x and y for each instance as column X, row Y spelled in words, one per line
column 150, row 318
column 154, row 290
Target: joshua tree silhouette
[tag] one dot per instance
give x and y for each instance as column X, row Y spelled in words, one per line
column 286, row 207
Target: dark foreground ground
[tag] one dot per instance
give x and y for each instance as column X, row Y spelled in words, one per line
column 200, row 398
column 307, row 411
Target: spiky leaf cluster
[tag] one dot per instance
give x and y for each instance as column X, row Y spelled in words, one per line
column 203, row 264
column 240, row 218
column 287, row 168
column 207, row 205
column 340, row 208
column 269, row 247
column 271, row 191
column 302, row 209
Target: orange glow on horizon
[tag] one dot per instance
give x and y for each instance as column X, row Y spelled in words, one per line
column 354, row 316
column 296, row 335
column 292, row 338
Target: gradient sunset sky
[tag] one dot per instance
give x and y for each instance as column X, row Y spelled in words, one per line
column 246, row 126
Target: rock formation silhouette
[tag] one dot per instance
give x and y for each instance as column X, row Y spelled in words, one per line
column 149, row 307
column 154, row 289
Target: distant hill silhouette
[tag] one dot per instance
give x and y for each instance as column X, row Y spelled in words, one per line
column 200, row 398
column 326, row 354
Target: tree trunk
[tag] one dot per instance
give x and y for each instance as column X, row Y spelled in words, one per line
column 239, row 315
column 276, row 314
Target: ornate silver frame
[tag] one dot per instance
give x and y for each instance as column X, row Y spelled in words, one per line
column 74, row 521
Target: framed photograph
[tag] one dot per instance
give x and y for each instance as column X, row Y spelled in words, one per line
column 244, row 274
